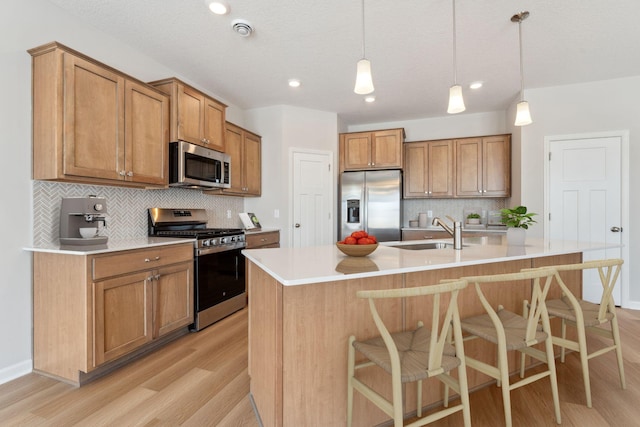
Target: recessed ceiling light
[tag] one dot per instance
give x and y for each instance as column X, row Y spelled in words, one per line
column 370, row 99
column 475, row 85
column 218, row 7
column 294, row 82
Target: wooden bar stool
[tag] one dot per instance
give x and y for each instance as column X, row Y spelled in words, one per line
column 510, row 331
column 587, row 317
column 413, row 356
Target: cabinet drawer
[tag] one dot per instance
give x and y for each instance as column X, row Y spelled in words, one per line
column 136, row 260
column 260, row 240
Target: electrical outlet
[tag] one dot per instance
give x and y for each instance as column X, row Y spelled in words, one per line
column 229, row 213
column 429, row 213
column 276, row 213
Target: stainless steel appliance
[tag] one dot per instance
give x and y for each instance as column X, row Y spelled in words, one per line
column 219, row 271
column 371, row 201
column 82, row 212
column 192, row 166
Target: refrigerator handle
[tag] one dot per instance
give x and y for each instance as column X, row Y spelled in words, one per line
column 365, row 207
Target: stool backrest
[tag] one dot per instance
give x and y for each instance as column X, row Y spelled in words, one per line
column 439, row 331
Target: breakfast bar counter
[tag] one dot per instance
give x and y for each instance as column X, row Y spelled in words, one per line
column 303, row 307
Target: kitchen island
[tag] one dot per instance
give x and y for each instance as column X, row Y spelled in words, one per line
column 303, row 307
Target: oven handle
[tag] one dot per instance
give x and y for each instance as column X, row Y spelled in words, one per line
column 217, row 249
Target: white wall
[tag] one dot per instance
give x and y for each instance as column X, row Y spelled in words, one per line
column 283, row 128
column 450, row 126
column 27, row 24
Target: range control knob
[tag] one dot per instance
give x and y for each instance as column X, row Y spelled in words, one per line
column 206, row 243
column 98, row 207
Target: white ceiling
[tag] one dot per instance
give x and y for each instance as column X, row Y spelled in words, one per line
column 409, row 44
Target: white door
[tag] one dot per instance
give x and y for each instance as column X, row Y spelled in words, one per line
column 312, row 198
column 585, row 199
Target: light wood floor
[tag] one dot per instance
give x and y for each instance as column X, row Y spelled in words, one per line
column 201, row 380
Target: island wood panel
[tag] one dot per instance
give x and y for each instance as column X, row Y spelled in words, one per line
column 265, row 344
column 317, row 322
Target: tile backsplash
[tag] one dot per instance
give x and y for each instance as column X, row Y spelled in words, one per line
column 442, row 207
column 127, row 208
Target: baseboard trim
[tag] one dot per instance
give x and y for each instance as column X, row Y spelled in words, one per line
column 15, row 371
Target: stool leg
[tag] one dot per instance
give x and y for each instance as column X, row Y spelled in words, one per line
column 419, row 395
column 616, row 340
column 350, row 372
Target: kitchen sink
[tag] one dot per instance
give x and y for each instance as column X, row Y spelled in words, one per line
column 423, row 246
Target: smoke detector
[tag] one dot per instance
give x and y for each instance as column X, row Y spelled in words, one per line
column 242, row 27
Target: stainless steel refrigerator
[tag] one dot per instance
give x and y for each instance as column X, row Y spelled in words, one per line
column 371, row 201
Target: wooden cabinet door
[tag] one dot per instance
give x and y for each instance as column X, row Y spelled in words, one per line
column 440, row 169
column 496, row 154
column 469, row 167
column 252, row 165
column 190, row 115
column 356, row 151
column 386, row 149
column 235, row 149
column 172, row 298
column 213, row 127
column 146, row 134
column 122, row 316
column 93, row 120
column 416, row 179
column 428, row 170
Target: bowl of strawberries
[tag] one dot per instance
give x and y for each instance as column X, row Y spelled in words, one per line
column 359, row 243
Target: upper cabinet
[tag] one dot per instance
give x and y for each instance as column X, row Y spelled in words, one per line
column 195, row 117
column 483, row 166
column 380, row 149
column 428, row 169
column 93, row 124
column 245, row 149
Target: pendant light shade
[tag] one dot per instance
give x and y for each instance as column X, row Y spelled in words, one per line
column 364, row 81
column 523, row 115
column 456, row 102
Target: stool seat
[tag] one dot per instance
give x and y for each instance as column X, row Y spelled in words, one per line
column 515, row 329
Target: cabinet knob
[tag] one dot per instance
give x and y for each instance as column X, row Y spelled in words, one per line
column 122, row 173
column 130, row 173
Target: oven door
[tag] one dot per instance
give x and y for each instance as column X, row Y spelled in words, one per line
column 220, row 276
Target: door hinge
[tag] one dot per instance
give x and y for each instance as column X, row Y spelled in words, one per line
column 549, row 216
column 549, row 155
column 329, row 167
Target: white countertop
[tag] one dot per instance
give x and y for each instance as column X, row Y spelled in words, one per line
column 111, row 246
column 299, row 266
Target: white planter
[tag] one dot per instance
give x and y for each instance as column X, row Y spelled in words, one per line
column 473, row 220
column 516, row 236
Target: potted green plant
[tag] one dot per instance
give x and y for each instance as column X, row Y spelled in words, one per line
column 473, row 218
column 517, row 221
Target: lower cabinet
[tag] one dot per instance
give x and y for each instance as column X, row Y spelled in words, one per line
column 108, row 305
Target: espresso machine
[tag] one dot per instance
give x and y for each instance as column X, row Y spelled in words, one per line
column 84, row 213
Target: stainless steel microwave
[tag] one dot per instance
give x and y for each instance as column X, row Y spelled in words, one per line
column 192, row 166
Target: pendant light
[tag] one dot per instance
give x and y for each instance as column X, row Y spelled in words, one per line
column 364, row 82
column 523, row 116
column 456, row 103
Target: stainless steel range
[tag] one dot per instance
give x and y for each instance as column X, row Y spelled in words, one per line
column 219, row 273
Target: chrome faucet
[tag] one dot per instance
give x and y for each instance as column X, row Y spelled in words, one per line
column 456, row 233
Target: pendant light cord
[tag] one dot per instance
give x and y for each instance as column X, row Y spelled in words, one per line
column 363, row 52
column 455, row 66
column 521, row 66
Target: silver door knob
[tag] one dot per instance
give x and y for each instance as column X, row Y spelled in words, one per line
column 297, row 225
column 616, row 229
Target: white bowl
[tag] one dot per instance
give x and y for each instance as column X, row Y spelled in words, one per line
column 88, row 232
